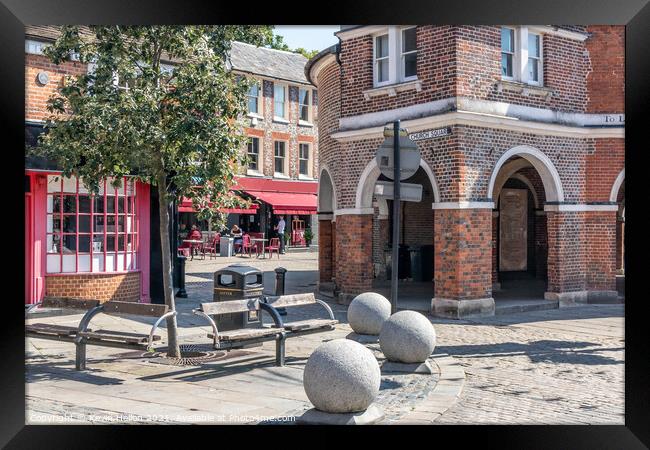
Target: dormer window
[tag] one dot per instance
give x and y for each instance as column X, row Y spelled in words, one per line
column 521, row 55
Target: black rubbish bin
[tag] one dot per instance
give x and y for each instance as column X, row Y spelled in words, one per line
column 416, row 263
column 237, row 282
column 426, row 262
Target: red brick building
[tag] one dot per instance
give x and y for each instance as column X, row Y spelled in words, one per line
column 523, row 182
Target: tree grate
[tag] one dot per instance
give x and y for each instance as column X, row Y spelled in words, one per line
column 191, row 355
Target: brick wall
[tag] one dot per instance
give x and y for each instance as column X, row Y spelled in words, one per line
column 123, row 287
column 602, row 168
column 36, row 95
column 463, row 253
column 354, row 271
column 606, row 80
column 566, row 251
column 600, row 234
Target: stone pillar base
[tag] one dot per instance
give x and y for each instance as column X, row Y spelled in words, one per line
column 603, row 297
column 457, row 309
column 571, row 298
column 496, row 286
column 370, row 416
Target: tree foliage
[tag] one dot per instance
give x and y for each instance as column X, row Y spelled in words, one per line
column 277, row 42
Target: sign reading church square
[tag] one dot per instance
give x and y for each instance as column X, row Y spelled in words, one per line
column 430, row 134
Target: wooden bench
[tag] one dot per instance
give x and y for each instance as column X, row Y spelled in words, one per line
column 278, row 332
column 82, row 335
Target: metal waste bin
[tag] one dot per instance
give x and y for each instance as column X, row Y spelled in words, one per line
column 226, row 246
column 237, row 282
column 426, row 262
column 404, row 261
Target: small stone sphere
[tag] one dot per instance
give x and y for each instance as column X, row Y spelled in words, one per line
column 341, row 376
column 368, row 312
column 407, row 337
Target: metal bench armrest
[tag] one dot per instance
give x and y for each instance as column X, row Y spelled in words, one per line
column 85, row 321
column 215, row 332
column 30, row 308
column 155, row 326
column 327, row 307
column 275, row 315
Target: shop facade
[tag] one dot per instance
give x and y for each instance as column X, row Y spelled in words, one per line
column 521, row 136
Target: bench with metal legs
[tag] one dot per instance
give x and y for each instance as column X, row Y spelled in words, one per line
column 82, row 335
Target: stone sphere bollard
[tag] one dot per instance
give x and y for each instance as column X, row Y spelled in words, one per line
column 407, row 337
column 341, row 376
column 368, row 312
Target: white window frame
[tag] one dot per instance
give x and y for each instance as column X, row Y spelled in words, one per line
column 260, row 95
column 395, row 69
column 403, row 77
column 309, row 160
column 514, row 53
column 284, row 116
column 310, row 102
column 520, row 59
column 260, row 157
column 285, row 164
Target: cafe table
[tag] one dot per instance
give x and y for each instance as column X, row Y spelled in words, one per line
column 193, row 244
column 255, row 241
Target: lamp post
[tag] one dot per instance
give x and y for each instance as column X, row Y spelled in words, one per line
column 396, row 217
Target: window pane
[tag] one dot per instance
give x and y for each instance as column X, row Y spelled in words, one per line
column 53, row 241
column 53, row 224
column 252, row 105
column 408, row 40
column 110, row 224
column 254, row 90
column 121, row 242
column 381, row 46
column 84, row 243
column 120, row 224
column 69, row 243
column 533, row 74
column 84, row 204
column 304, row 97
column 507, row 40
column 99, row 204
column 304, row 113
column 278, row 93
column 121, row 201
column 84, row 224
column 279, row 149
column 98, row 226
column 110, row 203
column 98, row 243
column 303, row 167
column 110, row 243
column 53, row 203
column 279, row 165
column 69, row 224
column 410, row 66
column 69, row 204
column 382, row 70
column 533, row 45
column 506, row 65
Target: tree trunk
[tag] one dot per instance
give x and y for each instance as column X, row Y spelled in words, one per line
column 168, row 289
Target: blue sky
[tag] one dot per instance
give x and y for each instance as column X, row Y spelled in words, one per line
column 309, row 37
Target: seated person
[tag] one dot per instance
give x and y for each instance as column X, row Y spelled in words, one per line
column 237, row 234
column 195, row 235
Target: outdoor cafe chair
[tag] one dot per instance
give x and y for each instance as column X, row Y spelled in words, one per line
column 274, row 244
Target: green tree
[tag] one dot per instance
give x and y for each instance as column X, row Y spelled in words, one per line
column 277, row 42
column 174, row 126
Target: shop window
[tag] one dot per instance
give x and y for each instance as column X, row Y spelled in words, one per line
column 87, row 232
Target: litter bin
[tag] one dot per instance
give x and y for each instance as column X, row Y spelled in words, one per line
column 226, row 246
column 237, row 282
column 404, row 261
column 426, row 262
column 416, row 263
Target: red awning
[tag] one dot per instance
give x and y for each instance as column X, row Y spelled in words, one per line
column 186, row 206
column 288, row 203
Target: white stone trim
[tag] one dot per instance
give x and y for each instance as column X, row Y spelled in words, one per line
column 355, row 211
column 524, row 179
column 559, row 32
column 391, row 90
column 320, row 65
column 506, row 171
column 368, row 178
column 463, row 205
column 325, row 168
column 581, row 207
column 360, row 31
column 545, row 168
column 617, row 186
column 322, row 216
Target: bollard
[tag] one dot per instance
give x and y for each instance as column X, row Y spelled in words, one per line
column 280, row 273
column 181, row 277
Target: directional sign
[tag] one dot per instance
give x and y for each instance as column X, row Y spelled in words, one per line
column 430, row 134
column 408, row 192
column 409, row 157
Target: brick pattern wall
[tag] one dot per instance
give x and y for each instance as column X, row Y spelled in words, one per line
column 124, row 287
column 602, row 168
column 606, row 80
column 418, row 216
column 325, row 250
column 354, row 271
column 541, row 246
column 566, row 251
column 495, row 246
column 463, row 253
column 600, row 233
column 37, row 95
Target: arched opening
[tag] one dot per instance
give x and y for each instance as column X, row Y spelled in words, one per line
column 522, row 181
column 416, row 268
column 326, row 232
column 618, row 196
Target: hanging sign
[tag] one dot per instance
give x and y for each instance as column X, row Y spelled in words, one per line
column 409, row 159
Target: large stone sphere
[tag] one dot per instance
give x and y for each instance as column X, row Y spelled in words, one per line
column 368, row 312
column 407, row 337
column 341, row 376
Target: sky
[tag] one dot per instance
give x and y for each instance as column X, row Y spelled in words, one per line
column 309, row 37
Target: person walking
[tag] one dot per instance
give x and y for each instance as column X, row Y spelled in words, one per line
column 280, row 228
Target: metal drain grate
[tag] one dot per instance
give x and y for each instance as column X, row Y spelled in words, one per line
column 191, row 355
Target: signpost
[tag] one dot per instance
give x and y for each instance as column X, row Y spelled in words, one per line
column 399, row 164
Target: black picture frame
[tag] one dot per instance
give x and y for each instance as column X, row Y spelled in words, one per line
column 635, row 14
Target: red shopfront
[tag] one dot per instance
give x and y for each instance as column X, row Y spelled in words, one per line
column 82, row 245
